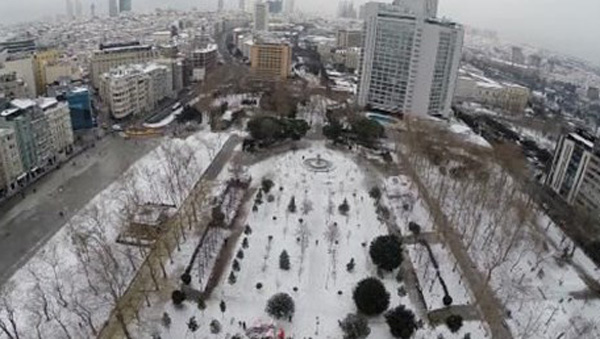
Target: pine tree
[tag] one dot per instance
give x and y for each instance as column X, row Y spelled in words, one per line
column 245, row 243
column 193, row 324
column 232, row 278
column 222, row 306
column 284, row 261
column 292, row 205
column 236, row 265
column 344, row 208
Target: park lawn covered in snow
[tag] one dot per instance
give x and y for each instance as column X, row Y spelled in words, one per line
column 320, row 242
column 65, row 289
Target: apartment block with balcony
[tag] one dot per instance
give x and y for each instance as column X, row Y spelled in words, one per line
column 114, row 55
column 271, row 61
column 11, row 167
column 575, row 172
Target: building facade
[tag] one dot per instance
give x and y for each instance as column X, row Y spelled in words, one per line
column 511, row 98
column 410, row 59
column 124, row 5
column 11, row 86
column 261, row 16
column 134, row 89
column 114, row 55
column 59, row 124
column 271, row 61
column 349, row 38
column 113, row 8
column 23, row 66
column 80, row 108
column 40, row 60
column 575, row 172
column 11, row 167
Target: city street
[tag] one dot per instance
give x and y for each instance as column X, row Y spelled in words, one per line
column 27, row 223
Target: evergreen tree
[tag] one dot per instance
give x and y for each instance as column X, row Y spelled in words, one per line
column 401, row 321
column 386, row 252
column 193, row 324
column 344, row 208
column 355, row 326
column 292, row 205
column 371, row 297
column 222, row 306
column 232, row 278
column 236, row 265
column 284, row 261
column 454, row 323
column 166, row 320
column 281, row 306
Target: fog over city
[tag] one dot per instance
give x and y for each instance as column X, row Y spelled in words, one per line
column 563, row 26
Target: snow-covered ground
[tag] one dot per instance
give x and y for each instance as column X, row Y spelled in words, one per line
column 510, row 238
column 320, row 242
column 66, row 289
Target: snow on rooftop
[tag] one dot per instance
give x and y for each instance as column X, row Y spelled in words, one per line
column 23, row 103
column 45, row 103
column 583, row 140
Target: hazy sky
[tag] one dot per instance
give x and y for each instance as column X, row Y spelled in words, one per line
column 571, row 26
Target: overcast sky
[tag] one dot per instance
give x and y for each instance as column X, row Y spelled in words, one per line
column 571, row 26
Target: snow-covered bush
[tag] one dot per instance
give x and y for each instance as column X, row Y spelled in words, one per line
column 401, row 321
column 355, row 326
column 281, row 306
column 284, row 260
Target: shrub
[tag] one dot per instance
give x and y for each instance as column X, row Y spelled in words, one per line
column 201, row 304
column 355, row 326
column 414, row 228
column 292, row 205
column 284, row 261
column 235, row 265
column 266, row 185
column 232, row 279
column 344, row 208
column 375, row 193
column 350, row 265
column 454, row 323
column 386, row 252
column 280, row 306
column 193, row 324
column 371, row 297
column 215, row 326
column 178, row 297
column 166, row 320
column 270, row 198
column 248, row 230
column 245, row 243
column 259, row 286
column 240, row 254
column 258, row 200
column 223, row 306
column 401, row 321
column 186, row 278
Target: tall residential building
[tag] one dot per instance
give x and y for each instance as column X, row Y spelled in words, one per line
column 575, row 172
column 349, row 38
column 261, row 16
column 78, row 9
column 410, row 59
column 26, row 118
column 113, row 55
column 40, row 60
column 220, row 5
column 271, row 61
column 346, row 9
column 288, row 6
column 70, row 12
column 201, row 61
column 59, row 124
column 124, row 5
column 113, row 8
column 11, row 167
column 11, row 86
column 133, row 89
column 23, row 66
column 93, row 10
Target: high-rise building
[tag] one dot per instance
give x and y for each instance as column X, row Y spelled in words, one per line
column 78, row 9
column 275, row 6
column 288, row 6
column 517, row 56
column 575, row 172
column 11, row 166
column 410, row 58
column 23, row 65
column 261, row 16
column 220, row 5
column 113, row 8
column 124, row 5
column 271, row 61
column 346, row 9
column 113, row 55
column 242, row 5
column 40, row 60
column 70, row 12
column 93, row 10
column 59, row 124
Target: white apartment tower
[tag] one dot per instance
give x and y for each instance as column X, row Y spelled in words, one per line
column 113, row 8
column 410, row 59
column 261, row 16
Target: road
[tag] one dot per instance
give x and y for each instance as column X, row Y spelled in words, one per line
column 27, row 223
